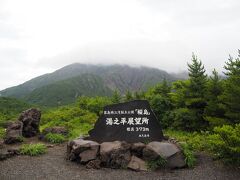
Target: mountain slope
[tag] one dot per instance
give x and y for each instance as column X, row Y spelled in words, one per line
column 66, row 91
column 66, row 84
column 119, row 77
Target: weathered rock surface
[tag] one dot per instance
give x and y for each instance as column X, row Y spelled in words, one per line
column 176, row 161
column 137, row 149
column 14, row 132
column 94, row 164
column 120, row 154
column 56, row 130
column 137, row 164
column 7, row 153
column 30, row 119
column 115, row 154
column 163, row 149
column 83, row 150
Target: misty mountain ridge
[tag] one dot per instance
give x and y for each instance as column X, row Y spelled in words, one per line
column 66, row 84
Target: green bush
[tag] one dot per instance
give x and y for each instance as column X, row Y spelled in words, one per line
column 2, row 133
column 154, row 164
column 55, row 138
column 33, row 149
column 188, row 153
column 198, row 141
column 225, row 143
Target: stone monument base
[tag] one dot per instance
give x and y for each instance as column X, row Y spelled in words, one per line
column 120, row 154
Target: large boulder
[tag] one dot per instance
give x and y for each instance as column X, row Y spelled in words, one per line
column 155, row 149
column 176, row 161
column 14, row 132
column 115, row 154
column 137, row 149
column 137, row 164
column 31, row 120
column 82, row 150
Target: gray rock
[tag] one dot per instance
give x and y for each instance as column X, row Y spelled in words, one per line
column 56, row 130
column 94, row 164
column 163, row 149
column 7, row 153
column 137, row 149
column 137, row 164
column 14, row 132
column 31, row 121
column 176, row 161
column 84, row 150
column 1, row 143
column 115, row 154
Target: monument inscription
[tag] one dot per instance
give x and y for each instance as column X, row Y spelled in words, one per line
column 132, row 121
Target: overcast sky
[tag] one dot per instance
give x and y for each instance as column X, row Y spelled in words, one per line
column 40, row 36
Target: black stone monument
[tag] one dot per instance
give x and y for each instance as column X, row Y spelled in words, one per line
column 132, row 121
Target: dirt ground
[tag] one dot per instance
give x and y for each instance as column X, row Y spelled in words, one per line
column 53, row 165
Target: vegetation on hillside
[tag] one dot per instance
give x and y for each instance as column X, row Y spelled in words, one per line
column 203, row 111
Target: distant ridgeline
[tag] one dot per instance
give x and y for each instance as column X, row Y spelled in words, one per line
column 66, row 84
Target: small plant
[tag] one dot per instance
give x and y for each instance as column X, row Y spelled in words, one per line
column 33, row 149
column 2, row 133
column 154, row 164
column 55, row 138
column 188, row 153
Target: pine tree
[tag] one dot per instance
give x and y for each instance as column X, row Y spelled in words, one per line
column 214, row 112
column 197, row 77
column 195, row 97
column 162, row 89
column 116, row 97
column 128, row 96
column 231, row 95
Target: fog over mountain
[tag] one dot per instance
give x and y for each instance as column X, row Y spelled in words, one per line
column 68, row 83
column 38, row 37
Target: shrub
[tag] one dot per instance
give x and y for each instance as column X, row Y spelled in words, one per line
column 33, row 149
column 188, row 153
column 55, row 138
column 225, row 143
column 2, row 132
column 154, row 164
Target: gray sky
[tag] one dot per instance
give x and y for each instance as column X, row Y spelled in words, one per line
column 40, row 36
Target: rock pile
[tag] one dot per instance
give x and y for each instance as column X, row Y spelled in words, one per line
column 31, row 120
column 120, row 154
column 27, row 125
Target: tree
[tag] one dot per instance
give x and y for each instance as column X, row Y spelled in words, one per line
column 197, row 77
column 194, row 97
column 231, row 94
column 116, row 97
column 163, row 89
column 214, row 112
column 128, row 96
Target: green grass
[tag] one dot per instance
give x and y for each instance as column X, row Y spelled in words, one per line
column 33, row 149
column 188, row 153
column 154, row 164
column 55, row 138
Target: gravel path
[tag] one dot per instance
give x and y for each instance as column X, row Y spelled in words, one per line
column 53, row 166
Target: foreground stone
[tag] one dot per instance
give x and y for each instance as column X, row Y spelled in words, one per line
column 14, row 132
column 8, row 153
column 163, row 149
column 115, row 154
column 82, row 150
column 31, row 120
column 120, row 154
column 137, row 164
